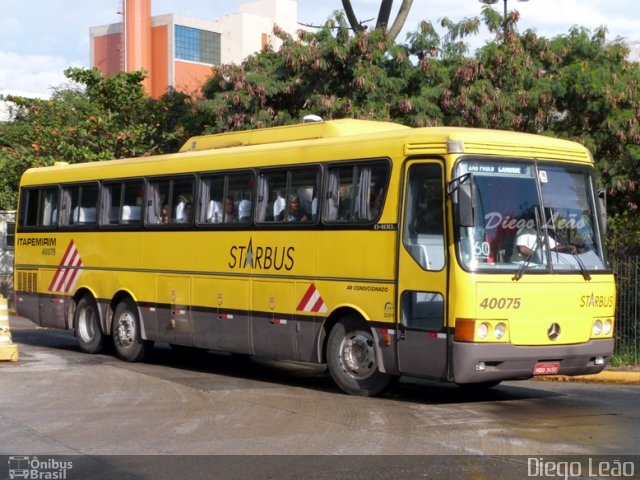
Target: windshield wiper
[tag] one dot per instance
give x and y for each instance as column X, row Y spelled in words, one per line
column 565, row 243
column 527, row 261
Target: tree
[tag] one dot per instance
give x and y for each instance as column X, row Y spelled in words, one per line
column 382, row 23
column 334, row 75
column 110, row 117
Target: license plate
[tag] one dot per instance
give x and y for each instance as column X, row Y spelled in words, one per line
column 546, row 369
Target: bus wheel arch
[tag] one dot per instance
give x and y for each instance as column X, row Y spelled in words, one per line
column 87, row 324
column 353, row 357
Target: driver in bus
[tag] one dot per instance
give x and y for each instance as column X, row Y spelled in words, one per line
column 528, row 240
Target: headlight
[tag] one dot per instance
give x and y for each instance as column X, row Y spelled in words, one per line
column 499, row 331
column 483, row 330
column 607, row 327
column 597, row 327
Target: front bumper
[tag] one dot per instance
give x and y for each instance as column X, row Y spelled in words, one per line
column 504, row 361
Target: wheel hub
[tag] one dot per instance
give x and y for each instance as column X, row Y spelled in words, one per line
column 86, row 325
column 126, row 330
column 357, row 355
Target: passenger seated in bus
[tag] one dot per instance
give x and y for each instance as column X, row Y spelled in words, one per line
column 375, row 204
column 294, row 212
column 244, row 211
column 229, row 210
column 164, row 214
column 187, row 214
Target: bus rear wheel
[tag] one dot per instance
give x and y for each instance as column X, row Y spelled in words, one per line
column 352, row 361
column 86, row 323
column 125, row 330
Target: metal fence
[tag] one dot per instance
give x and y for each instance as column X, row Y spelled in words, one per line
column 627, row 349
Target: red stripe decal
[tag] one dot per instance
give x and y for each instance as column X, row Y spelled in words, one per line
column 318, row 305
column 310, row 291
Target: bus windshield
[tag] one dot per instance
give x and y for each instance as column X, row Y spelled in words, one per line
column 539, row 215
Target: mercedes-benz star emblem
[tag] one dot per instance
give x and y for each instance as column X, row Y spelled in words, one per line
column 553, row 332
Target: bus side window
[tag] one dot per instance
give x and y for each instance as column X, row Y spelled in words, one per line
column 272, row 190
column 182, row 201
column 212, row 199
column 355, row 193
column 225, row 198
column 39, row 207
column 240, row 192
column 286, row 196
column 49, row 198
column 157, row 211
column 170, row 201
column 122, row 203
column 80, row 205
column 422, row 310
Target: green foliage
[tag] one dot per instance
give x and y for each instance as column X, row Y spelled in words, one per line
column 109, row 117
column 623, row 234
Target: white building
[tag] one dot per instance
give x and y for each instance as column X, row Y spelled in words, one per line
column 247, row 31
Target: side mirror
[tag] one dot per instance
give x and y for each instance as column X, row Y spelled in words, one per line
column 466, row 205
column 602, row 209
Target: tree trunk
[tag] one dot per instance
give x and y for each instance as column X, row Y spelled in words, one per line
column 351, row 17
column 384, row 14
column 383, row 17
column 400, row 20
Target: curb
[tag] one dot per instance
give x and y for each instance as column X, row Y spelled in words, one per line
column 606, row 376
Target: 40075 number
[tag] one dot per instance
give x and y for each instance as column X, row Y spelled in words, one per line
column 500, row 303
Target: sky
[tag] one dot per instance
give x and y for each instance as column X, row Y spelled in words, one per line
column 40, row 38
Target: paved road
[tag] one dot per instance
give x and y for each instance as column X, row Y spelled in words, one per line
column 59, row 401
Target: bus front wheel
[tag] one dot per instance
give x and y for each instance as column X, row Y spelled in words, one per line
column 352, row 361
column 86, row 323
column 125, row 330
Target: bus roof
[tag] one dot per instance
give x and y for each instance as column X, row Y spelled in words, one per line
column 431, row 140
column 290, row 133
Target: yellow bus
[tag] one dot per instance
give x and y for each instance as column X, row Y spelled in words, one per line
column 462, row 255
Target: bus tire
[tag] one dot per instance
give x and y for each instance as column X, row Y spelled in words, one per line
column 125, row 330
column 352, row 361
column 86, row 324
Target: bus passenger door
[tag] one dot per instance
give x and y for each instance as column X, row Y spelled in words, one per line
column 422, row 273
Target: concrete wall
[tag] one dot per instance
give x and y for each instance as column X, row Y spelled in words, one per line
column 6, row 257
